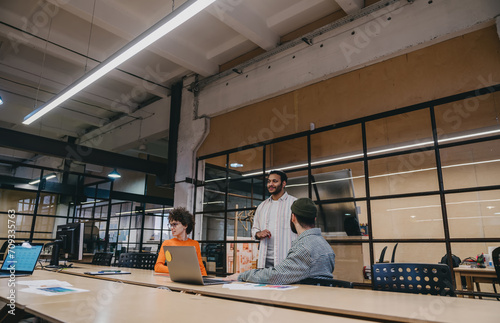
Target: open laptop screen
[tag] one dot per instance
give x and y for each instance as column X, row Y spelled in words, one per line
column 23, row 259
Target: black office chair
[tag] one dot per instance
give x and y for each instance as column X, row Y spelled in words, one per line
column 326, row 282
column 495, row 254
column 433, row 279
column 382, row 254
column 3, row 250
column 102, row 258
column 137, row 260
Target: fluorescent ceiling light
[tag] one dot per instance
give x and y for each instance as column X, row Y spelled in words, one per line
column 147, row 210
column 36, row 181
column 158, row 30
column 439, row 205
column 1, row 100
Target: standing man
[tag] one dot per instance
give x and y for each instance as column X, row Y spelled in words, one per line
column 272, row 222
column 309, row 257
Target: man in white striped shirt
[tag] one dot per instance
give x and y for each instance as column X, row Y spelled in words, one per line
column 272, row 222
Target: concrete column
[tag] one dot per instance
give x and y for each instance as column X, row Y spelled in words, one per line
column 192, row 132
column 497, row 21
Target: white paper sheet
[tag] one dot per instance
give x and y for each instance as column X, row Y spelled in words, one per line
column 49, row 287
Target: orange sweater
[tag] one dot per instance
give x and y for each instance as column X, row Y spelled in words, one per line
column 160, row 262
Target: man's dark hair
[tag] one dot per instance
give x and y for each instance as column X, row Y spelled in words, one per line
column 306, row 222
column 281, row 174
column 183, row 216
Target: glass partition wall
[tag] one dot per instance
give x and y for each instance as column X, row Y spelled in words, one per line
column 424, row 180
column 34, row 200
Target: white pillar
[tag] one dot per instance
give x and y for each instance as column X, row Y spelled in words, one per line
column 192, row 132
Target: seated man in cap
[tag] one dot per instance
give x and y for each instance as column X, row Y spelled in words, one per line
column 309, row 257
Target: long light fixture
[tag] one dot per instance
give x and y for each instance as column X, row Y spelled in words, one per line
column 158, row 30
column 36, row 181
column 319, row 162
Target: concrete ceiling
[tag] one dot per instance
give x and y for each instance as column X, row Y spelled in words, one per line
column 45, row 45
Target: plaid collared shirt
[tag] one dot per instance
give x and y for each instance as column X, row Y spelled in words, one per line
column 283, row 235
column 310, row 257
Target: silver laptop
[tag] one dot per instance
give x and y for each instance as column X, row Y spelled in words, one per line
column 20, row 261
column 184, row 267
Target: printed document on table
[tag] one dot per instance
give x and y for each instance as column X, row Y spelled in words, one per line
column 49, row 287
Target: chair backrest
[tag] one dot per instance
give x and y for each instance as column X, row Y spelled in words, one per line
column 102, row 258
column 137, row 260
column 434, row 279
column 382, row 255
column 326, row 282
column 495, row 254
column 393, row 258
column 3, row 250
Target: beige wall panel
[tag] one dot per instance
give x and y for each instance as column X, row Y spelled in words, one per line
column 469, row 114
column 461, row 64
column 407, row 128
column 342, row 141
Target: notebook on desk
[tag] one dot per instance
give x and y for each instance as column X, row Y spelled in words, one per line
column 20, row 261
column 183, row 266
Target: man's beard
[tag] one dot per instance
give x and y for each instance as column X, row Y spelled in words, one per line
column 292, row 226
column 278, row 189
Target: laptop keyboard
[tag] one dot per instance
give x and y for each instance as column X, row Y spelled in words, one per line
column 213, row 281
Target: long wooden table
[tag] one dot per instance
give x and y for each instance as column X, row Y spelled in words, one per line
column 112, row 301
column 363, row 304
column 474, row 275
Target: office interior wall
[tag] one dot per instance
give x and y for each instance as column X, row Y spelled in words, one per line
column 461, row 64
column 458, row 65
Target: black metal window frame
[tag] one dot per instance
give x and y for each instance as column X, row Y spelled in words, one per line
column 435, row 147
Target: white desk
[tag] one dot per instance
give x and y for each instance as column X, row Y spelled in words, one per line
column 108, row 301
column 365, row 304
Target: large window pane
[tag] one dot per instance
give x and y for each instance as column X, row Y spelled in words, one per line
column 474, row 214
column 470, row 118
column 407, row 218
column 287, row 154
column 336, row 145
column 213, row 226
column 244, row 219
column 430, row 253
column 245, row 193
column 214, row 189
column 402, row 131
column 408, row 173
column 471, row 165
column 246, row 162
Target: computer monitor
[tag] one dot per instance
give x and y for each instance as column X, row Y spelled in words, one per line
column 69, row 242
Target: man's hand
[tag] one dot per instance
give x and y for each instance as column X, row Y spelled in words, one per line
column 263, row 234
column 233, row 277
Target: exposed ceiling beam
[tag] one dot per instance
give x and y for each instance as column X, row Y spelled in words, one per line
column 351, row 6
column 248, row 23
column 292, row 11
column 129, row 26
